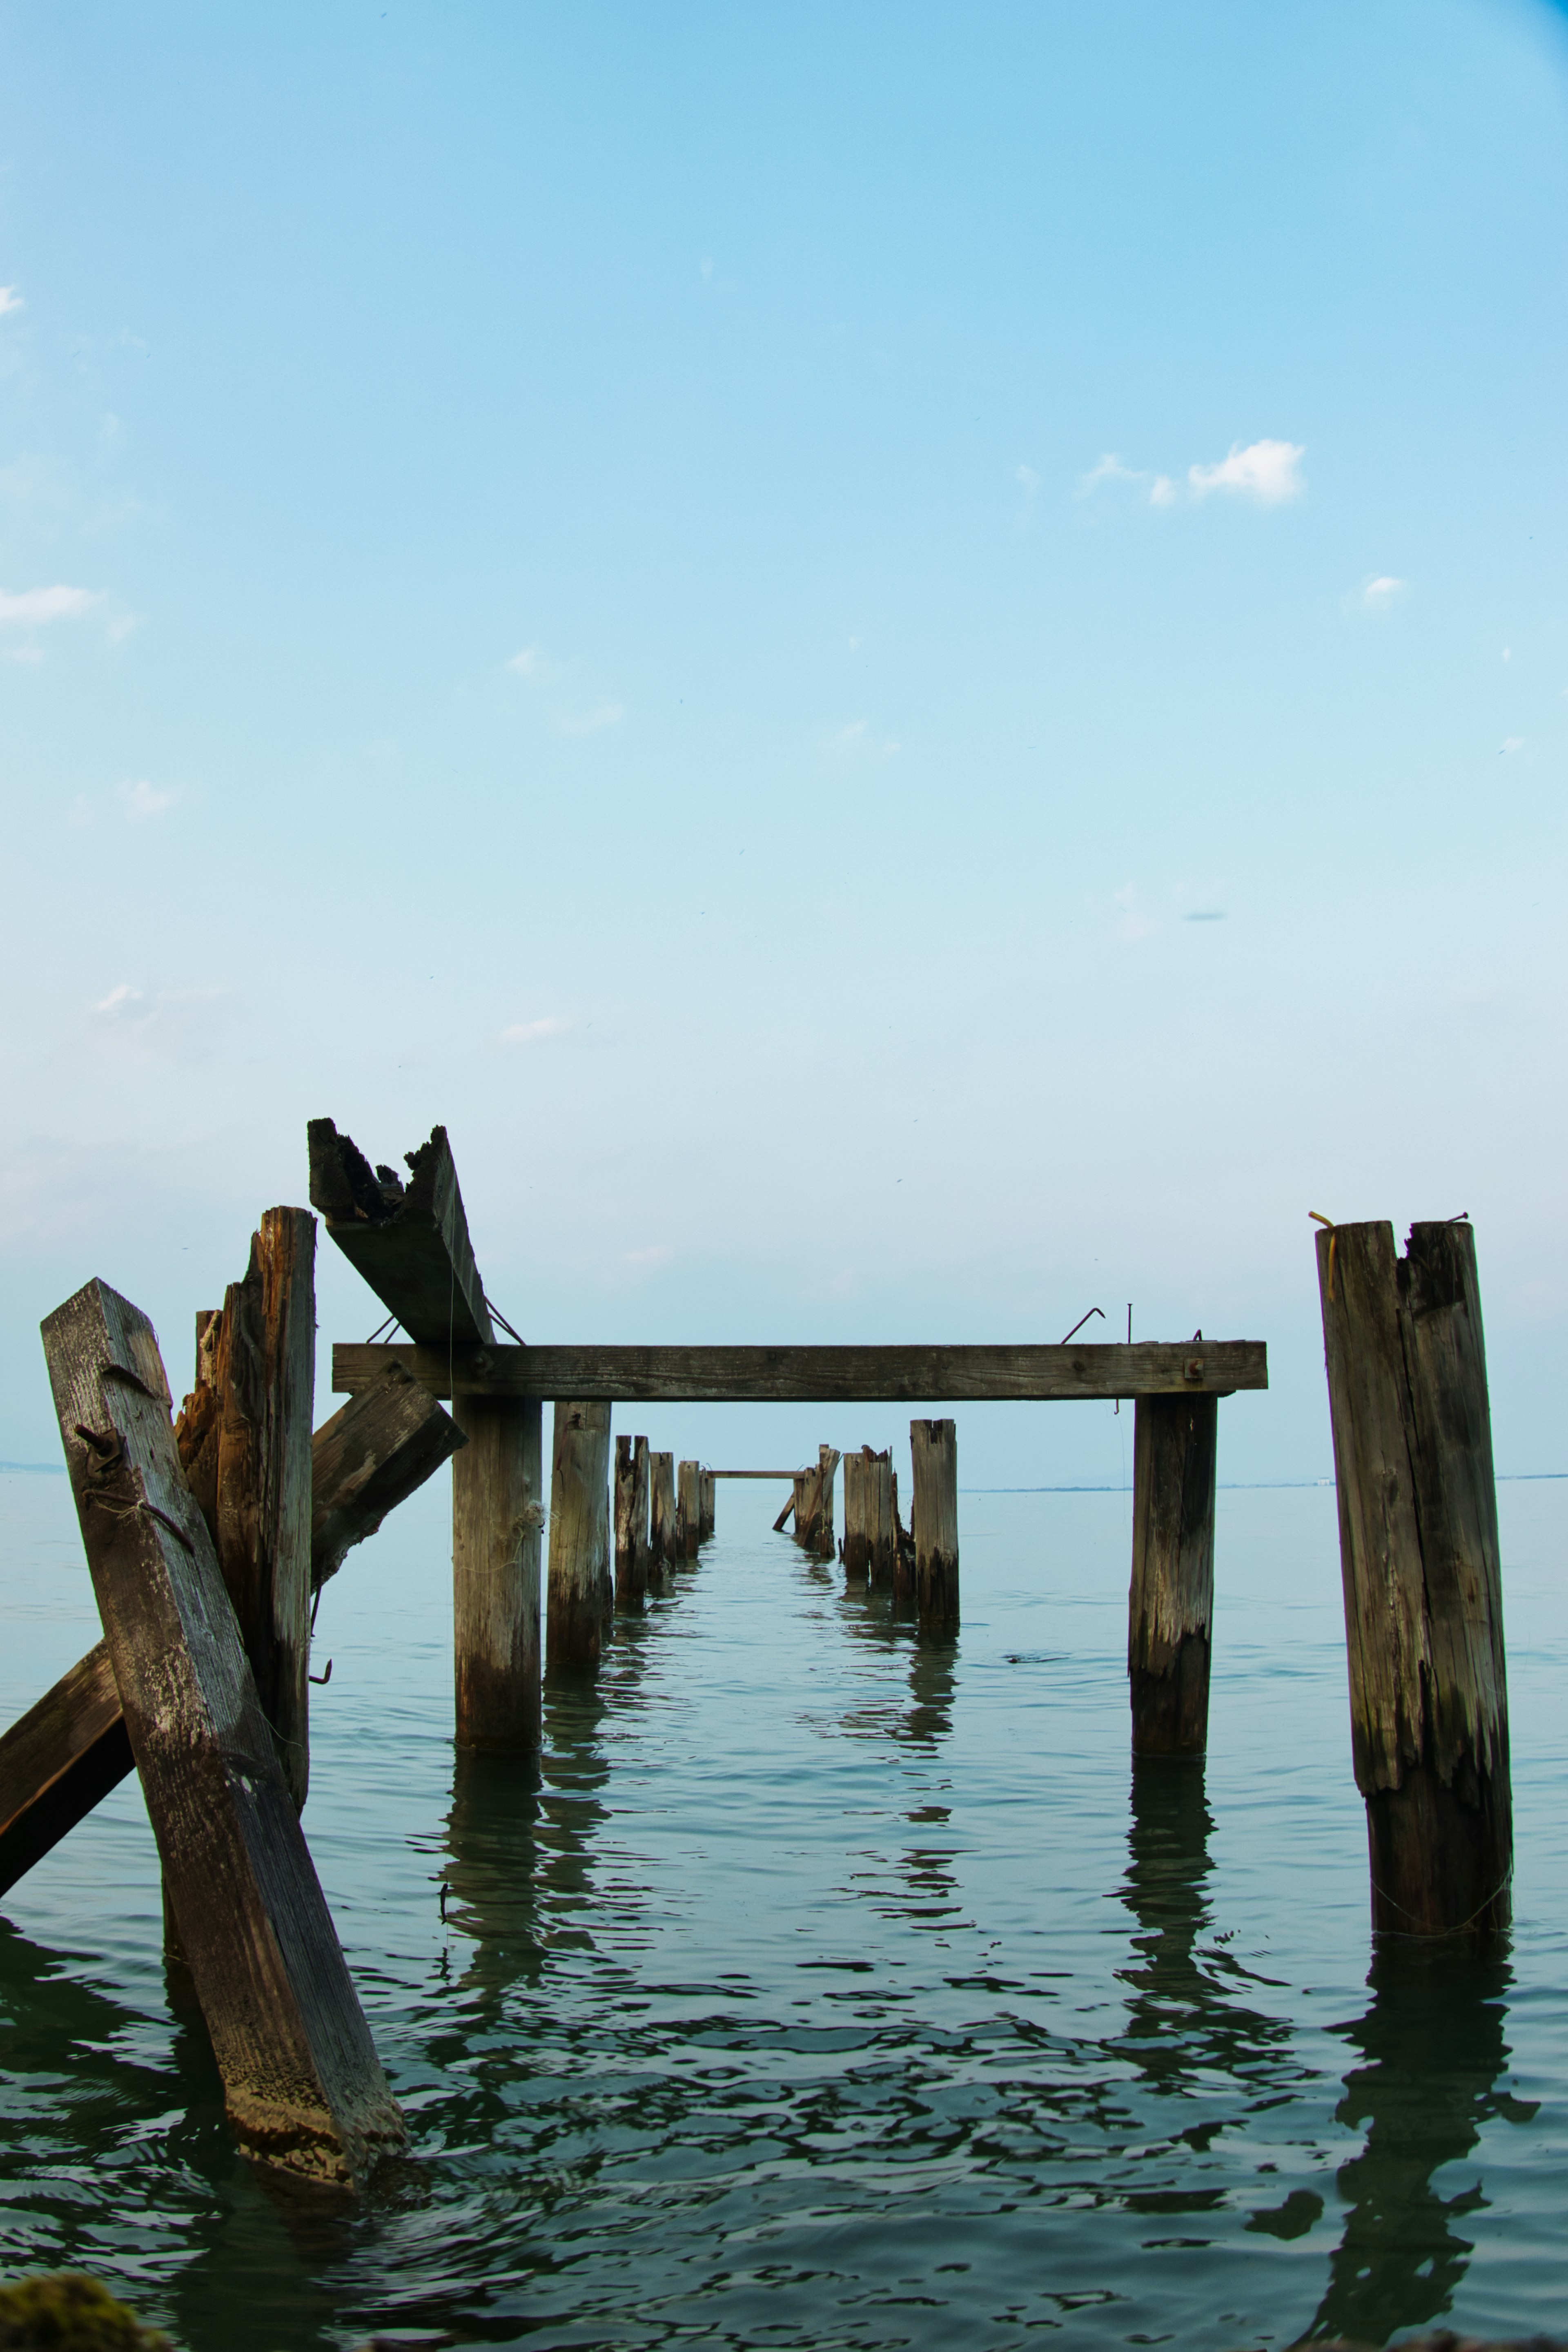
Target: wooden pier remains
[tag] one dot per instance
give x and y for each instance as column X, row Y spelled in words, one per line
column 868, row 1545
column 581, row 1584
column 688, row 1510
column 630, row 1522
column 663, row 1549
column 301, row 2081
column 933, row 1459
column 1172, row 1601
column 1406, row 1358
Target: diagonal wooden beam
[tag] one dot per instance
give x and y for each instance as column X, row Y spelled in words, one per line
column 64, row 1755
column 806, row 1375
column 409, row 1241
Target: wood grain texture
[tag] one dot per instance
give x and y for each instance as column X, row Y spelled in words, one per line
column 302, row 2085
column 934, row 1451
column 57, row 1760
column 71, row 1748
column 903, row 1562
column 706, row 1519
column 688, row 1510
column 409, row 1241
column 243, row 1439
column 640, row 1521
column 1406, row 1358
column 662, row 1545
column 581, row 1593
column 701, row 1375
column 631, row 1542
column 868, row 1547
column 498, row 1524
column 1171, row 1603
column 788, row 1513
column 814, row 1513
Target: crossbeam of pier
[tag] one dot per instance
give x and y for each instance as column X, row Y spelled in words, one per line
column 808, row 1375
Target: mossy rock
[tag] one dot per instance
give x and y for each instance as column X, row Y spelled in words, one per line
column 66, row 2311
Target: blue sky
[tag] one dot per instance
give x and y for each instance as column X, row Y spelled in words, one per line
column 910, row 661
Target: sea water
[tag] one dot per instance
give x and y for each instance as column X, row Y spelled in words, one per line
column 823, row 1987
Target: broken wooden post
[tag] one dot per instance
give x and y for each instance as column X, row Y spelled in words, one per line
column 688, row 1511
column 581, row 1598
column 662, row 1545
column 1171, row 1600
column 301, row 2081
column 934, row 1453
column 868, row 1544
column 498, row 1521
column 1422, row 1584
column 243, row 1441
column 815, row 1504
column 631, row 1521
column 66, row 1753
column 704, row 1505
column 902, row 1560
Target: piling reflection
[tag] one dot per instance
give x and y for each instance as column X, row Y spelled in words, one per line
column 928, row 1865
column 1184, row 2022
column 1433, row 2055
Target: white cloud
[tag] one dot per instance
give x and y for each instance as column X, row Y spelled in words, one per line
column 1162, row 491
column 589, row 722
column 31, row 605
column 143, row 799
column 1379, row 593
column 122, row 627
column 525, row 1033
column 9, row 299
column 24, row 654
column 1109, row 469
column 1132, row 923
column 1514, row 742
column 854, row 740
column 659, row 1254
column 532, row 662
column 1268, row 471
column 118, row 996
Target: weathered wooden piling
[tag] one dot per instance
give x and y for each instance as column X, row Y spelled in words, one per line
column 243, row 1441
column 497, row 1522
column 663, row 1549
column 302, row 2084
column 581, row 1593
column 706, row 1504
column 631, row 1521
column 868, row 1545
column 815, row 1504
column 903, row 1562
column 688, row 1510
column 1405, row 1356
column 1171, row 1600
column 372, row 1454
column 933, row 1451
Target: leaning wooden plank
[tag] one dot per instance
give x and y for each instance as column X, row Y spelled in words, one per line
column 67, row 1753
column 57, row 1761
column 410, row 1242
column 301, row 2079
column 819, row 1375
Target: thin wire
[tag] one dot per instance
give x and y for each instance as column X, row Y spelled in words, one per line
column 1504, row 1882
column 502, row 1321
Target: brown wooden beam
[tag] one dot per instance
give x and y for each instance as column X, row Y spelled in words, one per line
column 840, row 1375
column 409, row 1241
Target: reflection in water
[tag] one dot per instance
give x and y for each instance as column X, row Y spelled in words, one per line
column 927, row 1868
column 1432, row 2043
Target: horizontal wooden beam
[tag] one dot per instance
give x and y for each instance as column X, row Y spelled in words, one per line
column 818, row 1375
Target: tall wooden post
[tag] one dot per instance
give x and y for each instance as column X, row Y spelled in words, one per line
column 639, row 1520
column 868, row 1516
column 688, row 1511
column 856, row 1550
column 630, row 1538
column 1172, row 1598
column 802, row 1484
column 902, row 1560
column 705, row 1503
column 497, row 1516
column 934, row 1451
column 1423, row 1581
column 662, row 1545
column 581, row 1597
column 243, row 1441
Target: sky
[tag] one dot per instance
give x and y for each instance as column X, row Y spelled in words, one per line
column 910, row 661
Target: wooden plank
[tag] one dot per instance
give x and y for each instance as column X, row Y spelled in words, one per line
column 497, row 1523
column 1406, row 1356
column 243, row 1441
column 57, row 1761
column 914, row 1375
column 410, row 1242
column 582, row 1590
column 934, row 1458
column 1171, row 1603
column 67, row 1752
column 302, row 2084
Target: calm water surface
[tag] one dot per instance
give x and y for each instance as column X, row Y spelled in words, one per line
column 823, row 1988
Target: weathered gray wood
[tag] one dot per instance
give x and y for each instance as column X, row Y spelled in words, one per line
column 631, row 1541
column 662, row 1546
column 372, row 1454
column 409, row 1241
column 821, row 1375
column 581, row 1595
column 705, row 1521
column 688, row 1510
column 640, row 1524
column 243, row 1441
column 902, row 1560
column 498, row 1518
column 1405, row 1356
column 814, row 1504
column 868, row 1548
column 933, row 1451
column 67, row 1752
column 57, row 1760
column 1171, row 1604
column 302, row 2084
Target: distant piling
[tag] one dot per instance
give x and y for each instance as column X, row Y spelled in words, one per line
column 581, row 1594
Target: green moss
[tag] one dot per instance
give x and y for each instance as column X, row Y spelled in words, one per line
column 66, row 2311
